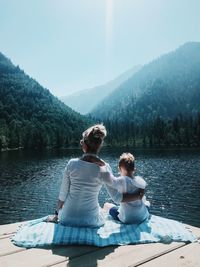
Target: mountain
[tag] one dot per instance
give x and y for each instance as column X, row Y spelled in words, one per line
column 163, row 95
column 85, row 100
column 30, row 116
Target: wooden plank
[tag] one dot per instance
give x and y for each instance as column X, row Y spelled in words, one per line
column 7, row 229
column 122, row 256
column 37, row 257
column 195, row 230
column 7, row 247
column 187, row 256
column 131, row 255
column 5, row 236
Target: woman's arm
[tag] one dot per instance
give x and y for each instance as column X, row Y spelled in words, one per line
column 60, row 204
column 141, row 184
column 127, row 197
column 64, row 190
column 118, row 197
column 107, row 178
column 65, row 186
column 116, row 185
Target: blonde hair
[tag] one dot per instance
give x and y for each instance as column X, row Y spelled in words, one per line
column 127, row 160
column 93, row 137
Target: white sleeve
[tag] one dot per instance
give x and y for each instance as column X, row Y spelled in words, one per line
column 106, row 175
column 139, row 182
column 65, row 185
column 113, row 192
column 115, row 182
column 109, row 179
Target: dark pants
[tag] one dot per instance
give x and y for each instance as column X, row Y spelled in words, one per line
column 114, row 213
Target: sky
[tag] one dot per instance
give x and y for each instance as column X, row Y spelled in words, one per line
column 70, row 45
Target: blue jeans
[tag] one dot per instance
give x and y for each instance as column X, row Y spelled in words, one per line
column 114, row 213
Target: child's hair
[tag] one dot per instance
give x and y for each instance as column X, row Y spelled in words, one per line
column 127, row 161
column 94, row 136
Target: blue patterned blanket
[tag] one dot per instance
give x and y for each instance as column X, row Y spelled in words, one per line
column 37, row 233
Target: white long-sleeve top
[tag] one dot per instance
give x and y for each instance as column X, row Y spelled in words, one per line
column 79, row 190
column 129, row 212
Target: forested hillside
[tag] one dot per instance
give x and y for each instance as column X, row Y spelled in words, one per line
column 159, row 105
column 85, row 100
column 30, row 116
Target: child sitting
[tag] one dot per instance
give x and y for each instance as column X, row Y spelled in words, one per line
column 128, row 212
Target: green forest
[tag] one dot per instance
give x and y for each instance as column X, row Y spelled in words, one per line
column 181, row 131
column 30, row 116
column 157, row 106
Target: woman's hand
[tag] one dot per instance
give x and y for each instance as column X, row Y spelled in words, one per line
column 60, row 205
column 141, row 193
column 52, row 218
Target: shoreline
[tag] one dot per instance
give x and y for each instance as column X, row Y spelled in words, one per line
column 156, row 147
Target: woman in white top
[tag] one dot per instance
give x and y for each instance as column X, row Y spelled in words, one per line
column 78, row 199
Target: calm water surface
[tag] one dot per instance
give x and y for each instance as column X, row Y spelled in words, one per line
column 30, row 182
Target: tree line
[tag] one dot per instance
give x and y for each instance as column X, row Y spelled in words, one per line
column 30, row 116
column 181, row 131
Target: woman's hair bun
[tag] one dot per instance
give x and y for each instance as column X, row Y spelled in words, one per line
column 97, row 131
column 93, row 137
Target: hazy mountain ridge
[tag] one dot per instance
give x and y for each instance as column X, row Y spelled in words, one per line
column 174, row 76
column 159, row 105
column 85, row 100
column 30, row 116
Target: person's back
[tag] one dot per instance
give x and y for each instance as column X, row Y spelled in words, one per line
column 134, row 211
column 78, row 198
column 81, row 206
column 127, row 212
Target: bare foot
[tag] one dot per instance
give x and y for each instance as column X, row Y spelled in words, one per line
column 107, row 206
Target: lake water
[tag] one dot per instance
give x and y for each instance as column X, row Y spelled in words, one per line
column 30, row 182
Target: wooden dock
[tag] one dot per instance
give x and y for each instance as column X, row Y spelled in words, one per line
column 147, row 255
